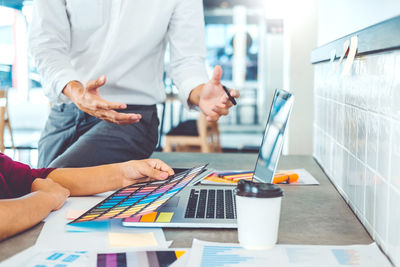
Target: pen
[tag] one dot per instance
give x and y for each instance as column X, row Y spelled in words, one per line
column 229, row 95
column 232, row 177
column 234, row 173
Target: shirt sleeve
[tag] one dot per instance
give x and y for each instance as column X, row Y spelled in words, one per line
column 186, row 36
column 50, row 41
column 18, row 177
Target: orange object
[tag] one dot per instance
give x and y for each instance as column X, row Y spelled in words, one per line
column 149, row 217
column 179, row 253
column 285, row 177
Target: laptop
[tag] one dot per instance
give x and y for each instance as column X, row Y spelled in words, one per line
column 199, row 206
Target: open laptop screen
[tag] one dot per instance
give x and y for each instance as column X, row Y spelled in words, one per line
column 271, row 146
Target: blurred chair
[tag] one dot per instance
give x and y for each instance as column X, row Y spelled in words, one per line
column 4, row 119
column 194, row 135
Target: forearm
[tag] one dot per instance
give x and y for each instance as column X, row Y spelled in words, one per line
column 91, row 180
column 49, row 43
column 17, row 215
column 188, row 54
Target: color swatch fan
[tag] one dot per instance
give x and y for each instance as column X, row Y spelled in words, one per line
column 139, row 199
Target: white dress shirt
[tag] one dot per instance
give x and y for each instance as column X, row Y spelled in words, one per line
column 122, row 39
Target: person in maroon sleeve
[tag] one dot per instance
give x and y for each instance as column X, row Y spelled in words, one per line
column 28, row 195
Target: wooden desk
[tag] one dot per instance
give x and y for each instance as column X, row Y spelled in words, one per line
column 315, row 215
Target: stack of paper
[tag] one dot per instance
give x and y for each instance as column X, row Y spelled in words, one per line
column 230, row 255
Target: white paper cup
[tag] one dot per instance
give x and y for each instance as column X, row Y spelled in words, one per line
column 258, row 209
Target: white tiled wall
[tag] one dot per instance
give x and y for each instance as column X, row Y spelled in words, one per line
column 357, row 141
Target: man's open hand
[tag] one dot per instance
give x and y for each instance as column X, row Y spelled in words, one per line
column 88, row 99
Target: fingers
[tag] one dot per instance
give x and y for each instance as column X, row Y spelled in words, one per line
column 153, row 173
column 93, row 104
column 99, row 103
column 217, row 74
column 94, row 84
column 221, row 111
column 218, row 110
column 212, row 116
column 222, row 108
column 234, row 93
column 106, row 111
column 161, row 165
column 225, row 102
column 147, row 170
column 155, row 169
column 117, row 117
column 103, row 104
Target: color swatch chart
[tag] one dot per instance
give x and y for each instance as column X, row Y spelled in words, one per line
column 139, row 199
column 141, row 258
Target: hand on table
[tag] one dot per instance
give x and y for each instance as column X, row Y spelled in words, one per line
column 212, row 99
column 137, row 171
column 57, row 194
column 88, row 99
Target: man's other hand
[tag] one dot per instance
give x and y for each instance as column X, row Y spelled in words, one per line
column 212, row 98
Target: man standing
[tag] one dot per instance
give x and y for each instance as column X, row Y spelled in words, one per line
column 99, row 119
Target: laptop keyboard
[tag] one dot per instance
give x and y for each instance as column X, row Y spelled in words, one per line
column 211, row 204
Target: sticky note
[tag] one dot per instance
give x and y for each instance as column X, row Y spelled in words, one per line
column 149, row 217
column 179, row 254
column 132, row 239
column 346, row 45
column 165, row 217
column 73, row 214
column 92, row 226
column 350, row 56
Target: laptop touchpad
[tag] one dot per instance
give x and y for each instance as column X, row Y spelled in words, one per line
column 172, row 203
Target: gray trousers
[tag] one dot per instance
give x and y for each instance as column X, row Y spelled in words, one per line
column 72, row 138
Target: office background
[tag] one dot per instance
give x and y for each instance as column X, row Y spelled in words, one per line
column 354, row 137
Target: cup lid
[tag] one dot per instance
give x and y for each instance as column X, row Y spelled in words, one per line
column 258, row 190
